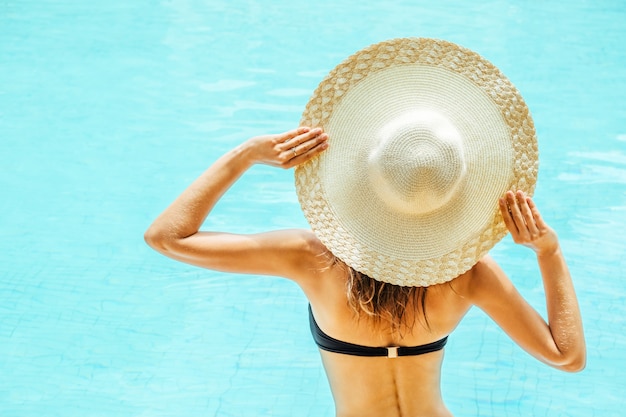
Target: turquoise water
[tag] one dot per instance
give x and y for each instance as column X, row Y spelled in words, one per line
column 109, row 109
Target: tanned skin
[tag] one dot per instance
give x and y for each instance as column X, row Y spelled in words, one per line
column 364, row 386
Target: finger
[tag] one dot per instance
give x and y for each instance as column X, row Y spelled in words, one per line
column 506, row 216
column 541, row 224
column 312, row 146
column 516, row 215
column 320, row 146
column 527, row 214
column 301, row 144
column 310, row 143
column 295, row 140
column 287, row 136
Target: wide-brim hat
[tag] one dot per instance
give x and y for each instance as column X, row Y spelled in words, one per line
column 424, row 137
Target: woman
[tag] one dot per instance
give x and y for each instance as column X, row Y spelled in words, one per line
column 381, row 343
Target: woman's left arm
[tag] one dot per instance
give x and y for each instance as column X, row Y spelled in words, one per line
column 560, row 342
column 175, row 232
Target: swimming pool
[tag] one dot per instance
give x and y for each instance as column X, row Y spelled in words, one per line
column 109, row 109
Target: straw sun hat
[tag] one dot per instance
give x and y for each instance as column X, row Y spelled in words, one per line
column 424, row 137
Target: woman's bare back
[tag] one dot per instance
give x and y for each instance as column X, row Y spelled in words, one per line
column 382, row 386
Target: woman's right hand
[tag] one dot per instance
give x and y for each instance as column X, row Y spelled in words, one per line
column 288, row 149
column 291, row 253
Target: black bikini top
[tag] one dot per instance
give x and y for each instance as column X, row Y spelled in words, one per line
column 331, row 344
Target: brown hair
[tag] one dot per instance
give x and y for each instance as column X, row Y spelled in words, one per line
column 385, row 303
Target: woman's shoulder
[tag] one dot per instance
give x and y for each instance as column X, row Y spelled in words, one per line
column 484, row 274
column 310, row 255
column 310, row 248
column 486, row 285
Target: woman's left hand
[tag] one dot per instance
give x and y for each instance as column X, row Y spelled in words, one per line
column 288, row 149
column 526, row 225
column 561, row 341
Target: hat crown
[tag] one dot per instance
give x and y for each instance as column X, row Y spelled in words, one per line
column 418, row 162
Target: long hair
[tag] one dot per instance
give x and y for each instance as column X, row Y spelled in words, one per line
column 385, row 303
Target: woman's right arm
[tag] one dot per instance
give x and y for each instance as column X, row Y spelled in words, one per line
column 560, row 342
column 176, row 231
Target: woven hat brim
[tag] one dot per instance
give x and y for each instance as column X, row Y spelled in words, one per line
column 415, row 250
